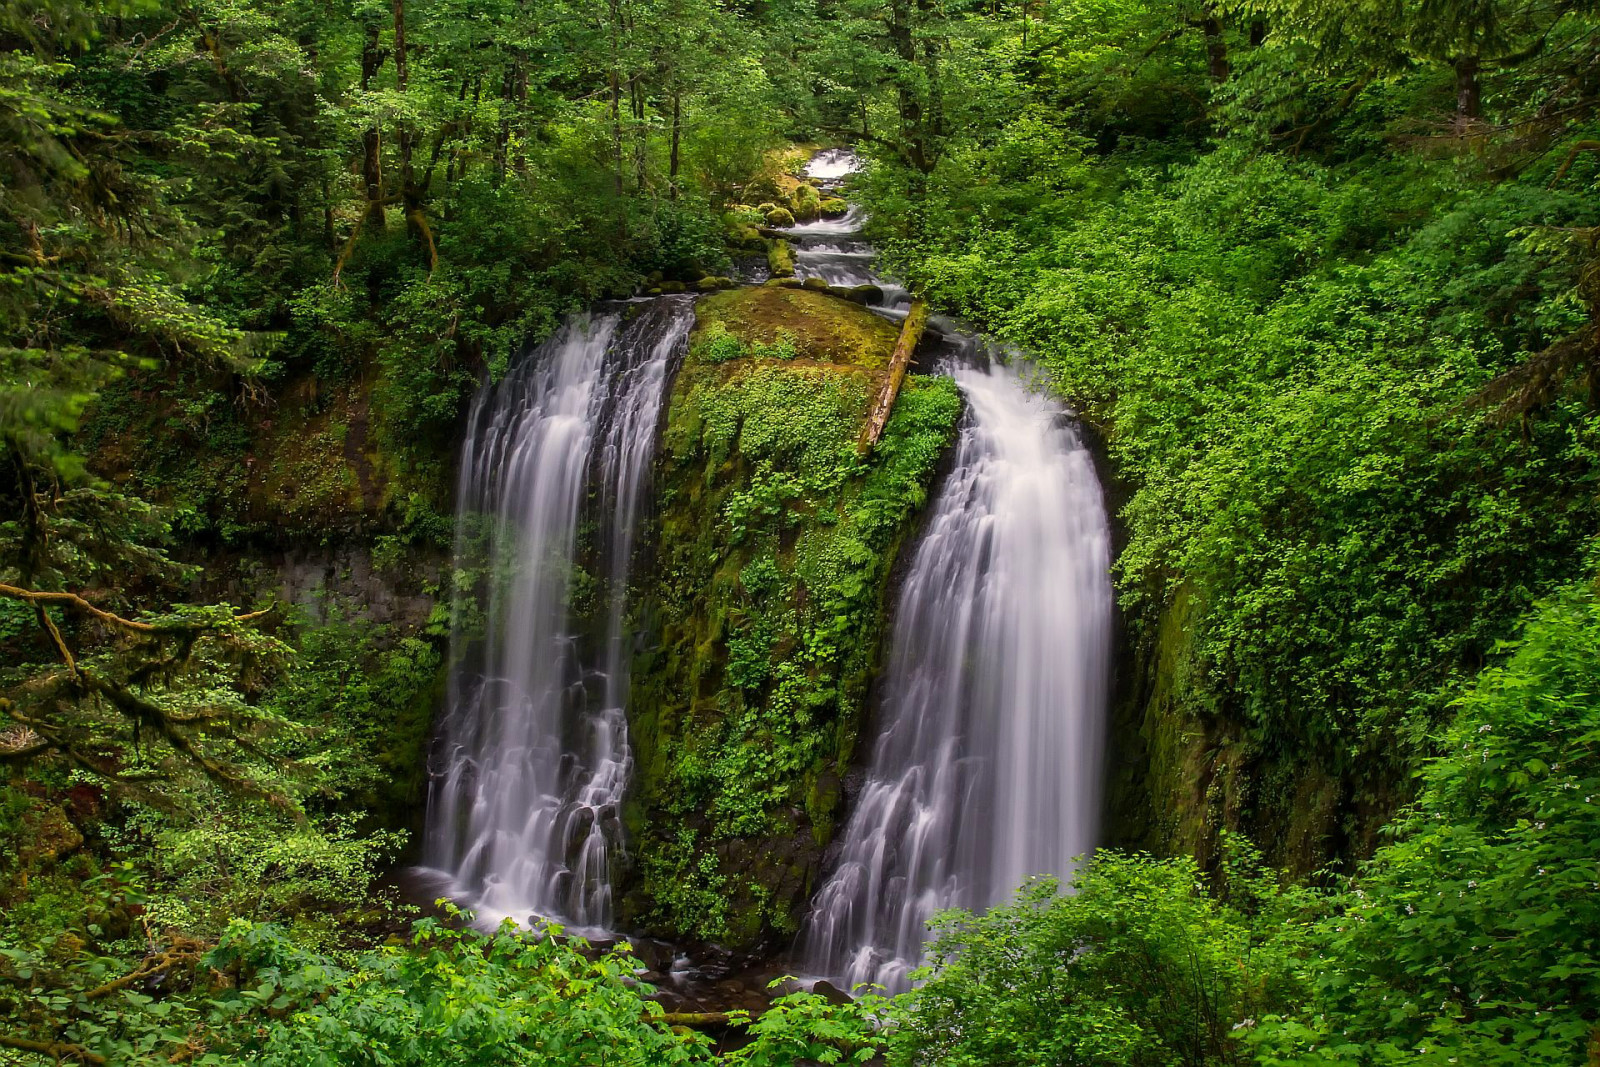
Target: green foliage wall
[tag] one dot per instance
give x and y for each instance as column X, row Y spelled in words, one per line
column 1338, row 391
column 776, row 543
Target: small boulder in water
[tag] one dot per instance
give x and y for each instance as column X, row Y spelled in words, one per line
column 713, row 283
column 869, row 294
column 806, row 203
column 780, row 258
column 819, row 284
column 834, row 208
column 674, row 287
column 745, row 235
column 780, row 217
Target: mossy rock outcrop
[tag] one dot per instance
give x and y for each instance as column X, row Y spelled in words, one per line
column 834, row 208
column 780, row 217
column 805, row 204
column 766, row 601
column 780, row 258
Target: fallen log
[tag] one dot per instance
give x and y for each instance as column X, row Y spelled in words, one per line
column 59, row 1051
column 878, row 416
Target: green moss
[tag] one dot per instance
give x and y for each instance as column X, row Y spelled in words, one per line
column 1185, row 770
column 805, row 203
column 776, row 541
column 309, row 465
column 780, row 259
column 823, row 329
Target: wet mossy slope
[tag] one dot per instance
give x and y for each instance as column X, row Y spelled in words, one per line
column 766, row 604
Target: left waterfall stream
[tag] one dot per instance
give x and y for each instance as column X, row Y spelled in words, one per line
column 532, row 757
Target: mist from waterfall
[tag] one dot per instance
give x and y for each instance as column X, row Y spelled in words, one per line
column 532, row 757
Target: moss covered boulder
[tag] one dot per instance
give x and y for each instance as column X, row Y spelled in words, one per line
column 834, row 208
column 780, row 258
column 780, row 217
column 766, row 603
column 805, row 203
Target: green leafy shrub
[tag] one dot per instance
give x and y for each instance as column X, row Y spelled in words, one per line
column 1475, row 936
column 1140, row 965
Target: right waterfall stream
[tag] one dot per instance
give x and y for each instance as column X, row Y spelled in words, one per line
column 985, row 770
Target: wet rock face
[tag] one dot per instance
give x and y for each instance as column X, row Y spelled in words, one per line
column 390, row 592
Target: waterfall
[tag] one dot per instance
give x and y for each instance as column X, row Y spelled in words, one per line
column 986, row 768
column 532, row 756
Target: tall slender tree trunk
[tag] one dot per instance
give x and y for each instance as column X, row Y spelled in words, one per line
column 903, row 39
column 1469, row 90
column 615, row 85
column 405, row 135
column 1216, row 49
column 677, row 130
column 642, row 131
column 371, row 141
column 502, row 141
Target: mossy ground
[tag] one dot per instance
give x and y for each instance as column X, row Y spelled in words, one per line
column 824, row 329
column 776, row 541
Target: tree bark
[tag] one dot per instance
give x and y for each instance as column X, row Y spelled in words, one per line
column 1216, row 49
column 372, row 57
column 410, row 193
column 59, row 1051
column 1469, row 91
column 614, row 78
column 677, row 130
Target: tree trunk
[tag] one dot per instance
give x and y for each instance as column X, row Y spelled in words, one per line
column 905, row 47
column 910, row 334
column 641, row 132
column 1469, row 92
column 410, row 195
column 371, row 143
column 615, row 84
column 677, row 129
column 1216, row 49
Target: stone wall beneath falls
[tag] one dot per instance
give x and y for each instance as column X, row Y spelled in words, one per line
column 762, row 606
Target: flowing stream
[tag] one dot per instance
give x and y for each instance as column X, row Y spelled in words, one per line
column 532, row 757
column 986, row 766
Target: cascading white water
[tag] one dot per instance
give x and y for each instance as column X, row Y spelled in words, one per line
column 986, row 769
column 532, row 756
